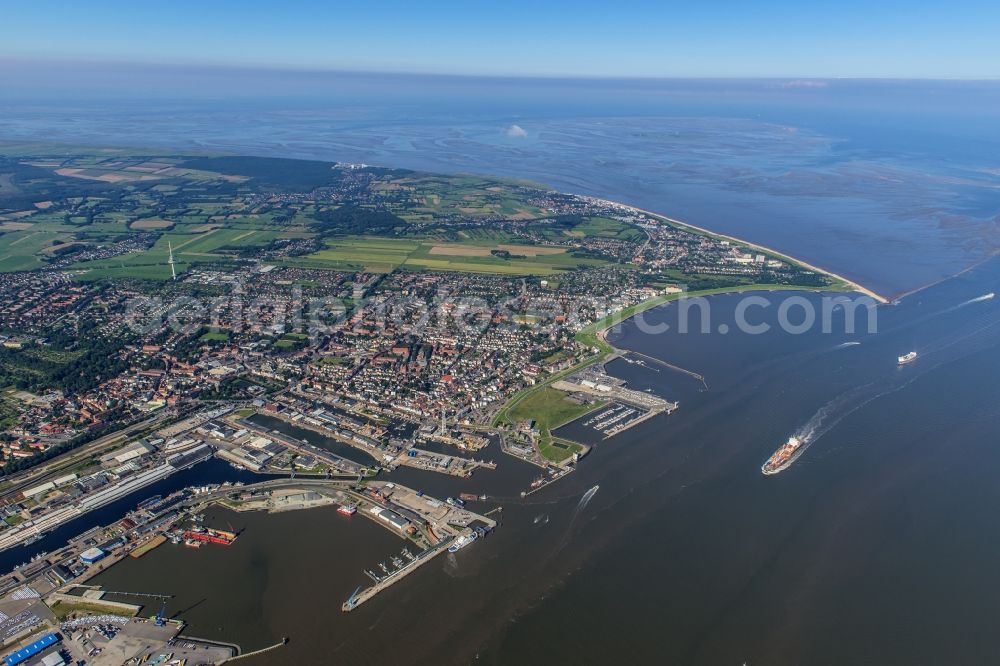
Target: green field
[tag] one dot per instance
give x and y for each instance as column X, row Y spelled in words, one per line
column 558, row 450
column 200, row 207
column 549, row 409
column 382, row 255
column 24, row 250
column 589, row 227
column 188, row 249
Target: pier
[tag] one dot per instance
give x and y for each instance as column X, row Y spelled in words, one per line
column 669, row 366
column 361, row 596
column 284, row 641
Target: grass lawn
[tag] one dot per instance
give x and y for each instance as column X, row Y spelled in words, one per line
column 549, row 409
column 22, row 250
column 63, row 609
column 382, row 255
column 557, row 450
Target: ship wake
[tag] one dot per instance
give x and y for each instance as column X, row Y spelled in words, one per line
column 580, row 506
column 979, row 299
column 839, row 408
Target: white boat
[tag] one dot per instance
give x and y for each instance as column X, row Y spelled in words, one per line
column 907, row 358
column 461, row 542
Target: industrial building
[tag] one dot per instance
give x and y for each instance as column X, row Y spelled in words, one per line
column 26, row 653
column 91, row 555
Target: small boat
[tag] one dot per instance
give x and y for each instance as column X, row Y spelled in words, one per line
column 907, row 358
column 347, row 509
column 455, row 502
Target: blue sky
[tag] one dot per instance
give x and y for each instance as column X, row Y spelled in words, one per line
column 711, row 38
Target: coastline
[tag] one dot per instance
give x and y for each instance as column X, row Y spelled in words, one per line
column 596, row 333
column 854, row 286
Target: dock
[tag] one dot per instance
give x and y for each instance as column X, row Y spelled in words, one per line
column 638, row 406
column 669, row 366
column 141, row 550
column 361, row 596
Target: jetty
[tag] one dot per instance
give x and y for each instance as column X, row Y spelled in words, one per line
column 269, row 648
column 361, row 596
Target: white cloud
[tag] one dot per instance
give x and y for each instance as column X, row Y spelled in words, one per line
column 516, row 132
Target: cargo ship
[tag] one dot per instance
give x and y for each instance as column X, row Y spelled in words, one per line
column 907, row 358
column 462, row 541
column 347, row 509
column 210, row 535
column 783, row 457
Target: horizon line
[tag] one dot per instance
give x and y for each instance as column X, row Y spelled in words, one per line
column 541, row 76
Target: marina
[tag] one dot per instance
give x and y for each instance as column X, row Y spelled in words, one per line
column 625, row 409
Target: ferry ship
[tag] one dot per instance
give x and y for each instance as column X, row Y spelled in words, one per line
column 462, row 541
column 347, row 509
column 907, row 358
column 783, row 457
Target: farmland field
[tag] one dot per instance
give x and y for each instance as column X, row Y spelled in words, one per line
column 377, row 254
column 23, row 250
column 82, row 212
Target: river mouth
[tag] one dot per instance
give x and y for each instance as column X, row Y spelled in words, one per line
column 681, row 497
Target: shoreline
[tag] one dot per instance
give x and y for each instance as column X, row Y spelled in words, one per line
column 854, row 286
